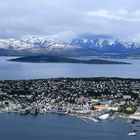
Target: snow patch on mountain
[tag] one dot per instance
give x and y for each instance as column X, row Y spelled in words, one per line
column 46, row 43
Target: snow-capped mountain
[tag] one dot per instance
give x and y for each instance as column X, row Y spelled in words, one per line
column 43, row 43
column 14, row 44
column 34, row 42
column 105, row 45
column 47, row 43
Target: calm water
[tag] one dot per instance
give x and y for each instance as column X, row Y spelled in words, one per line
column 17, row 70
column 55, row 127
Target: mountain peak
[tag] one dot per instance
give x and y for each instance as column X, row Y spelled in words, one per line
column 46, row 43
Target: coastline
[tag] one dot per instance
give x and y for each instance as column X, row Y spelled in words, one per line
column 82, row 98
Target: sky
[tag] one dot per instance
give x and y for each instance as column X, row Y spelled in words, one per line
column 66, row 19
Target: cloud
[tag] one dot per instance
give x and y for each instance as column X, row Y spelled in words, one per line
column 65, row 19
column 135, row 38
column 117, row 15
column 66, row 36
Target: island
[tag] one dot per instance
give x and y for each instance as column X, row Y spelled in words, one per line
column 62, row 59
column 91, row 99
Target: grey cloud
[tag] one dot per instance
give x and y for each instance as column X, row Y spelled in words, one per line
column 66, row 19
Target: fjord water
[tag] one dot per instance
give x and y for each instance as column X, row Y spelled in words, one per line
column 57, row 127
column 18, row 70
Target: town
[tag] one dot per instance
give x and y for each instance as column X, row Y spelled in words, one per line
column 91, row 99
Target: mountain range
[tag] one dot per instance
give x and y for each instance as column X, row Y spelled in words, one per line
column 80, row 45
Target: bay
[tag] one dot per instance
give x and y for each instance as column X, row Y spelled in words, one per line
column 57, row 127
column 18, row 70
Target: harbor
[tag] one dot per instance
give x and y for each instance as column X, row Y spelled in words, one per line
column 61, row 127
column 91, row 100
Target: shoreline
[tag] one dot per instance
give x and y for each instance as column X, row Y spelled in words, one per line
column 77, row 78
column 89, row 98
column 81, row 117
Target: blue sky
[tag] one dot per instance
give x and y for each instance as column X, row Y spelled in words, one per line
column 69, row 18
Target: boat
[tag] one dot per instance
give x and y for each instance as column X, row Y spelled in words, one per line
column 60, row 110
column 24, row 111
column 34, row 111
column 104, row 117
column 112, row 118
column 133, row 129
column 132, row 134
